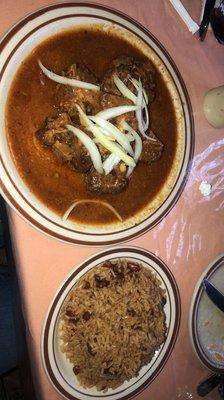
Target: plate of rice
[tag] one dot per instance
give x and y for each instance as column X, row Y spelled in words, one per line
column 111, row 326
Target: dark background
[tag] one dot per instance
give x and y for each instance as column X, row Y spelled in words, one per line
column 15, row 372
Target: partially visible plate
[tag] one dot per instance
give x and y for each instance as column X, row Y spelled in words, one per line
column 18, row 42
column 206, row 321
column 59, row 369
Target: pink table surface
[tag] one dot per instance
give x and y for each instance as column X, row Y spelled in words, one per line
column 187, row 239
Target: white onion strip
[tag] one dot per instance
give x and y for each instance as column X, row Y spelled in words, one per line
column 129, row 137
column 126, row 92
column 103, row 140
column 90, row 146
column 111, row 146
column 124, row 89
column 138, row 146
column 139, row 109
column 114, row 112
column 142, row 127
column 108, row 137
column 135, row 83
column 84, row 120
column 67, row 81
column 111, row 161
column 103, row 203
column 146, row 123
column 114, row 131
column 138, row 141
column 107, row 134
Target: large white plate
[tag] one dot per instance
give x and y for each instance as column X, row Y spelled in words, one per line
column 15, row 46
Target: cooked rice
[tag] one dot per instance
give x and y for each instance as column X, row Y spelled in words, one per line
column 112, row 323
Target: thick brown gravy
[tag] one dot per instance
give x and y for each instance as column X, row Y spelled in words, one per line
column 32, row 99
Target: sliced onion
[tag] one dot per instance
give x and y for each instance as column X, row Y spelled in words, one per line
column 105, row 132
column 108, row 137
column 90, row 146
column 103, row 139
column 135, row 83
column 127, row 92
column 140, row 103
column 84, row 120
column 114, row 131
column 111, row 146
column 131, row 96
column 124, row 89
column 114, row 112
column 146, row 123
column 139, row 109
column 130, row 137
column 138, row 141
column 67, row 81
column 145, row 101
column 103, row 203
column 138, row 146
column 129, row 171
column 111, row 161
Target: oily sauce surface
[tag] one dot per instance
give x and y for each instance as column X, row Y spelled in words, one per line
column 32, row 98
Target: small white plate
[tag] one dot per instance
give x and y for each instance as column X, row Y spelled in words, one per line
column 59, row 369
column 206, row 321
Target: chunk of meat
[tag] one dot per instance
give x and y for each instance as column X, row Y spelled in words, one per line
column 130, row 118
column 88, row 100
column 111, row 100
column 59, row 122
column 64, row 144
column 62, row 150
column 81, row 160
column 68, row 96
column 151, row 150
column 53, row 129
column 81, row 73
column 106, row 184
column 108, row 100
column 126, row 68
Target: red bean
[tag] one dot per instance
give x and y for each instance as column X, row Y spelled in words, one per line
column 133, row 267
column 74, row 320
column 76, row 369
column 101, row 282
column 107, row 264
column 119, row 271
column 69, row 313
column 86, row 316
column 131, row 312
column 86, row 285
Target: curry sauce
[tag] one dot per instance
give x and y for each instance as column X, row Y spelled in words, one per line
column 33, row 97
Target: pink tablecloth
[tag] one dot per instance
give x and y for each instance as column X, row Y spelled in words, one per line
column 187, row 239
